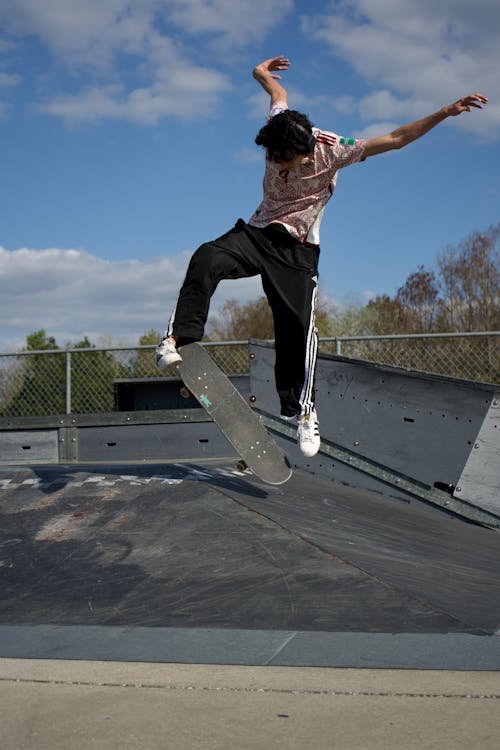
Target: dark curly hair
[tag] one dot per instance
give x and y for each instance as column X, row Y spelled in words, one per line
column 287, row 135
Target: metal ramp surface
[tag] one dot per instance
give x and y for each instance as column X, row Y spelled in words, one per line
column 199, row 562
column 402, row 433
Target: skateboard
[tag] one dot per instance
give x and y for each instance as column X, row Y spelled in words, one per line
column 231, row 413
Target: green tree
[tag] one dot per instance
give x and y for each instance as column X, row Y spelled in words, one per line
column 144, row 363
column 41, row 379
column 39, row 341
column 92, row 376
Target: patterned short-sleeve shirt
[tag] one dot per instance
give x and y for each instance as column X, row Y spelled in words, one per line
column 296, row 198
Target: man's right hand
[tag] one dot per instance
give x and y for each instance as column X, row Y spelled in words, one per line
column 266, row 73
column 268, row 66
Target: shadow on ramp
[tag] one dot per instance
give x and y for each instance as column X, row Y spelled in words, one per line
column 201, row 563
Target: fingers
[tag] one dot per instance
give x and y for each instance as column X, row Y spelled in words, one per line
column 474, row 100
column 466, row 103
column 279, row 63
column 275, row 64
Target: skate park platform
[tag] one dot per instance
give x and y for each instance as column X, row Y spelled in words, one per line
column 201, row 563
column 383, row 551
column 153, row 589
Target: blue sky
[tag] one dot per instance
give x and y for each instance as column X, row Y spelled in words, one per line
column 127, row 129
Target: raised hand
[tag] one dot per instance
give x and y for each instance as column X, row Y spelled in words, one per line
column 465, row 104
column 269, row 67
column 267, row 74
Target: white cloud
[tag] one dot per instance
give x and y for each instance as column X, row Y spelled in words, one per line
column 236, row 21
column 92, row 31
column 130, row 56
column 186, row 95
column 72, row 293
column 375, row 129
column 417, row 56
column 88, row 32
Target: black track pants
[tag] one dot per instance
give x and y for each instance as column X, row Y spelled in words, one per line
column 289, row 272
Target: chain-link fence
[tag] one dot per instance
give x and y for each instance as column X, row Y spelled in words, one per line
column 472, row 356
column 83, row 381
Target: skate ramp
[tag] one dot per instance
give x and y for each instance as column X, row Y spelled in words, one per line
column 402, row 433
column 201, row 563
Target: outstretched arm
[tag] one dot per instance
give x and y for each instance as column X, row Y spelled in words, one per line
column 265, row 73
column 407, row 133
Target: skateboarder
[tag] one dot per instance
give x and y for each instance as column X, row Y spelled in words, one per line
column 281, row 241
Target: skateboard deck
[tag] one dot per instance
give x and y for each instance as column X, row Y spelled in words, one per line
column 231, row 413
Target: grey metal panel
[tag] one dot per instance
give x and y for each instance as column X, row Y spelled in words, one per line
column 152, row 442
column 32, row 423
column 28, row 446
column 480, row 480
column 418, row 425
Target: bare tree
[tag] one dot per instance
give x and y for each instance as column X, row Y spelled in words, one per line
column 382, row 315
column 238, row 322
column 419, row 301
column 470, row 282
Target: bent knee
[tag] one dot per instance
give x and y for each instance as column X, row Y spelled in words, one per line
column 203, row 258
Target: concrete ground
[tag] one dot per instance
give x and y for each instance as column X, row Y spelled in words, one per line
column 77, row 705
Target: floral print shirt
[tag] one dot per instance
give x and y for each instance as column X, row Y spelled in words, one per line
column 296, row 198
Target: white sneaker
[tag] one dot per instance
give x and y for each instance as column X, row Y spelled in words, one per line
column 167, row 354
column 308, row 434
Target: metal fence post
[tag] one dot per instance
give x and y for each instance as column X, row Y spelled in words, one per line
column 68, row 382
